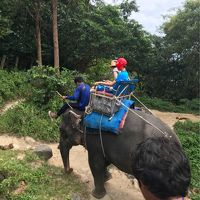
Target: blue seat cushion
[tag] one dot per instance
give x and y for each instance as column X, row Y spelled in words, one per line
column 95, row 120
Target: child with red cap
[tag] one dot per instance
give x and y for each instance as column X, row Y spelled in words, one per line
column 122, row 76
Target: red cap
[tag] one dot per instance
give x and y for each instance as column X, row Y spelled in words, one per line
column 121, row 62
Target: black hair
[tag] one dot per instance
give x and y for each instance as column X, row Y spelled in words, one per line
column 78, row 79
column 162, row 166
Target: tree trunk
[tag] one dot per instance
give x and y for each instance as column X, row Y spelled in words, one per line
column 55, row 35
column 3, row 61
column 16, row 62
column 38, row 33
column 32, row 62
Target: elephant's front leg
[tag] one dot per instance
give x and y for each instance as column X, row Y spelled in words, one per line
column 64, row 151
column 98, row 168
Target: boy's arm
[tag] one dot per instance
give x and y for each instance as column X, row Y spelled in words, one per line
column 76, row 95
column 108, row 83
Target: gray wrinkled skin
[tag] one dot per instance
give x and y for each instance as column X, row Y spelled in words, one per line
column 118, row 148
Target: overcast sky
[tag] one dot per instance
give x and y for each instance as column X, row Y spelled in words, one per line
column 151, row 12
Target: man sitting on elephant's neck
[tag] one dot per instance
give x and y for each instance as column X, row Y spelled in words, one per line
column 81, row 96
column 162, row 169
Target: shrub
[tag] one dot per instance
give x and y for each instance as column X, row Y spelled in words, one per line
column 27, row 120
column 189, row 135
column 99, row 70
column 45, row 83
column 13, row 85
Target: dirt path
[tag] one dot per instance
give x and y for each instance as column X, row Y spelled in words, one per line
column 119, row 187
column 9, row 105
column 170, row 118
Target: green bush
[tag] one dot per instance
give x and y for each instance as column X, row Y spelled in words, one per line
column 28, row 120
column 193, row 104
column 99, row 70
column 189, row 135
column 45, row 83
column 31, row 118
column 13, row 85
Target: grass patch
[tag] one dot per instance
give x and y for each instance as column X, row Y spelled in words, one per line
column 183, row 106
column 40, row 181
column 26, row 119
column 189, row 134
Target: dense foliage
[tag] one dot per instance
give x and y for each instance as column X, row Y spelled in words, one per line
column 13, row 85
column 30, row 179
column 38, row 88
column 89, row 31
column 182, row 41
column 44, row 84
column 184, row 105
column 86, row 32
column 189, row 135
column 174, row 69
column 28, row 120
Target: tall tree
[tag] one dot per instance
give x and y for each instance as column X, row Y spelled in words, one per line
column 172, row 71
column 182, row 41
column 38, row 32
column 55, row 34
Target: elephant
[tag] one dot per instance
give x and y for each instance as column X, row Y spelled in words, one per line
column 117, row 149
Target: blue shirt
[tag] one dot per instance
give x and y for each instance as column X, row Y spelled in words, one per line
column 81, row 95
column 122, row 76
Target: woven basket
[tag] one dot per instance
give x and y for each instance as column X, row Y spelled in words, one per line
column 104, row 104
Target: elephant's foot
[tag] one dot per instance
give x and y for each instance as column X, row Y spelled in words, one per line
column 98, row 195
column 69, row 170
column 108, row 176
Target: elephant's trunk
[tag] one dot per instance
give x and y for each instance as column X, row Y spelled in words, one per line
column 64, row 151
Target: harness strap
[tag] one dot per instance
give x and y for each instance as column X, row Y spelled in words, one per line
column 141, row 102
column 85, row 134
column 164, row 133
column 100, row 134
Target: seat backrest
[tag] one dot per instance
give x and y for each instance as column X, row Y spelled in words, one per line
column 124, row 88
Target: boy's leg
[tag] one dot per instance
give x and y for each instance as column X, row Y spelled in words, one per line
column 62, row 109
column 54, row 115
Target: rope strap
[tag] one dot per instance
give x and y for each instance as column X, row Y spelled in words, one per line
column 164, row 133
column 101, row 136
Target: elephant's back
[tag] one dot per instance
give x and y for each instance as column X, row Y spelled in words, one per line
column 147, row 123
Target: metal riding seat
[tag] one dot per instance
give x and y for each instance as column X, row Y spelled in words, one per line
column 108, row 103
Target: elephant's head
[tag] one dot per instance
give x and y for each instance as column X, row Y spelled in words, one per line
column 70, row 128
column 70, row 135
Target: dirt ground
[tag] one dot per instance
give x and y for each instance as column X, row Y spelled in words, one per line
column 119, row 187
column 170, row 118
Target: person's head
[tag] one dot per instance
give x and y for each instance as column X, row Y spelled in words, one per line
column 121, row 63
column 113, row 63
column 78, row 80
column 161, row 168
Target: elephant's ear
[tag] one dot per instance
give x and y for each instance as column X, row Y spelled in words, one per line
column 75, row 119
